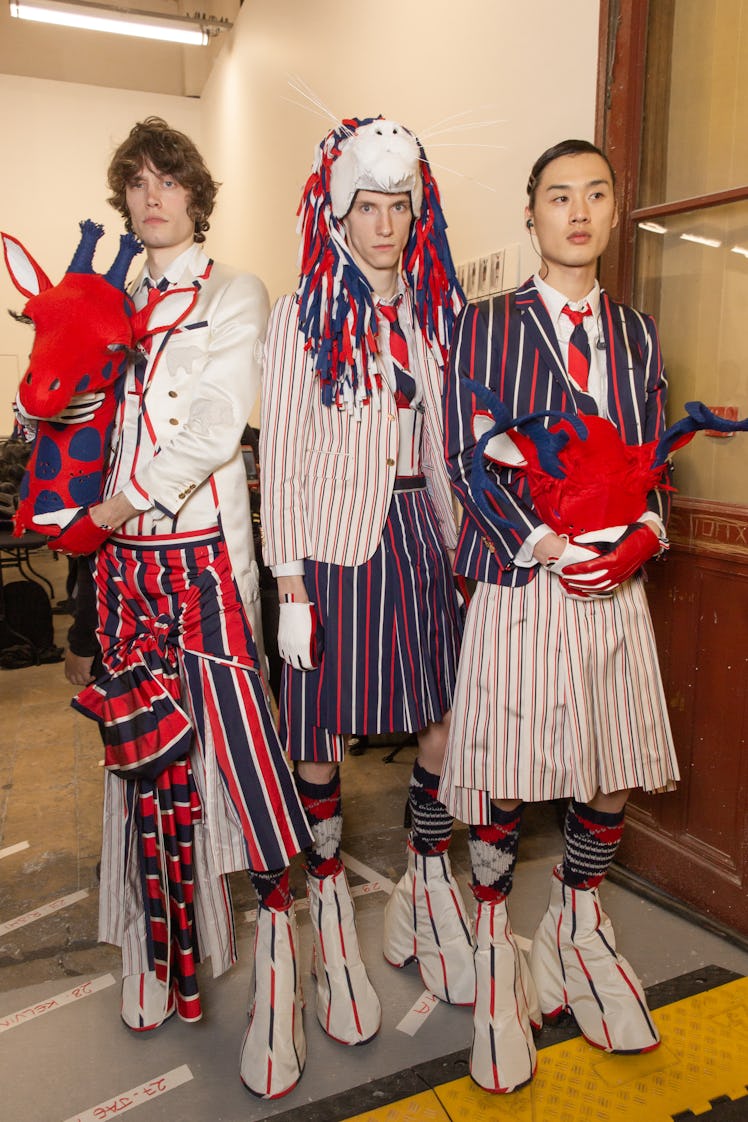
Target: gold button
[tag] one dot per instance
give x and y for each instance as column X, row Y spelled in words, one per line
column 390, row 462
column 173, row 393
column 391, row 417
column 173, row 421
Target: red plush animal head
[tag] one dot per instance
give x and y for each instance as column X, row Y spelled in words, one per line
column 581, row 474
column 84, row 324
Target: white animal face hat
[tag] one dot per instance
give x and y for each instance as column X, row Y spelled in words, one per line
column 379, row 156
column 336, row 303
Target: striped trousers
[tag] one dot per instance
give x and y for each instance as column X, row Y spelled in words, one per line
column 171, row 605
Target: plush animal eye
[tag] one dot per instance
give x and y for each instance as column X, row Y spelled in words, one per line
column 20, row 317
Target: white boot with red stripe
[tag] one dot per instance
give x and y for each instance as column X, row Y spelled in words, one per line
column 347, row 1006
column 503, row 1056
column 146, row 1001
column 274, row 1047
column 425, row 921
column 575, row 966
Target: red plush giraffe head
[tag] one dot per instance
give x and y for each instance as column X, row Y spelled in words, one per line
column 84, row 324
column 86, row 332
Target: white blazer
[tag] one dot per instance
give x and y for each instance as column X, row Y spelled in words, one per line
column 200, row 384
column 327, row 474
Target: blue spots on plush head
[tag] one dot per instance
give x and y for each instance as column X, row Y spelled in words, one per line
column 85, row 489
column 106, row 373
column 47, row 501
column 23, row 490
column 86, row 446
column 48, row 459
column 82, row 386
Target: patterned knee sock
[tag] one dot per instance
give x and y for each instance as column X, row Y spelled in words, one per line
column 431, row 822
column 323, row 807
column 272, row 888
column 591, row 839
column 493, row 854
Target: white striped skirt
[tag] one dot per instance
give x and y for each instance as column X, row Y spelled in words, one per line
column 555, row 697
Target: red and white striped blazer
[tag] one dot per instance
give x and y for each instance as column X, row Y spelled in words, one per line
column 327, row 474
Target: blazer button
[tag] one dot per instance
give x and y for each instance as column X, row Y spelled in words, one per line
column 173, row 421
column 390, row 462
column 173, row 393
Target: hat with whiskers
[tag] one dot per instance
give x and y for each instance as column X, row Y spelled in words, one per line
column 337, row 315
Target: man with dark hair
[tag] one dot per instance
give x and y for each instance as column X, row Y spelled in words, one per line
column 559, row 692
column 152, row 142
column 197, row 785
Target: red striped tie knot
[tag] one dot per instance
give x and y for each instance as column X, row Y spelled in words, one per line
column 579, row 346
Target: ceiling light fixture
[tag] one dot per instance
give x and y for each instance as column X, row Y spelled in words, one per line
column 194, row 30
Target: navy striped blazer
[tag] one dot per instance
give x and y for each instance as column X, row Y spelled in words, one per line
column 509, row 344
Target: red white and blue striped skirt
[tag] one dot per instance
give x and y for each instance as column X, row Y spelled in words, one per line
column 391, row 631
column 169, row 610
column 555, row 697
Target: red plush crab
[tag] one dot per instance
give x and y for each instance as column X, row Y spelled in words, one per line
column 87, row 330
column 586, row 483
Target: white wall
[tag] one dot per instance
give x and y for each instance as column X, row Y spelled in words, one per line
column 419, row 61
column 57, row 140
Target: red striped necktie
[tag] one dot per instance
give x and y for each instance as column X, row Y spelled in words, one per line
column 398, row 342
column 578, row 363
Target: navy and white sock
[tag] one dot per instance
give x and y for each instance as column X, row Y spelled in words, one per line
column 591, row 838
column 493, row 854
column 430, row 821
column 324, row 810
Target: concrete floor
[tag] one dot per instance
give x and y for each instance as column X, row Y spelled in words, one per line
column 65, row 1054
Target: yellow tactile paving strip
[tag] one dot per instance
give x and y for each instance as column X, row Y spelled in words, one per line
column 703, row 1055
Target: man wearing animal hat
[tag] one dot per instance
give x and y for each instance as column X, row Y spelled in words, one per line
column 358, row 519
column 559, row 691
column 197, row 785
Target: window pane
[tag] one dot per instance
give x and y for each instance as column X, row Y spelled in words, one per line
column 698, row 293
column 696, row 99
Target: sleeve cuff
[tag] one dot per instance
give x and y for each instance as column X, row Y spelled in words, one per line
column 524, row 558
column 288, row 569
column 136, row 496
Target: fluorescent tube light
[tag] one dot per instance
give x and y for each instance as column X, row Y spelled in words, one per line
column 188, row 30
column 740, row 249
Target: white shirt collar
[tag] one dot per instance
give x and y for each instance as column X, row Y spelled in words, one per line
column 555, row 302
column 175, row 269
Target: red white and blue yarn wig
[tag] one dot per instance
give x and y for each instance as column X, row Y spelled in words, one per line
column 336, row 301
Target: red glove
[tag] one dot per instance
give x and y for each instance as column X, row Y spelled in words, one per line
column 602, row 574
column 72, row 531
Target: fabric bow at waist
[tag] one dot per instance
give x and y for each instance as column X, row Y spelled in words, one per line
column 143, row 726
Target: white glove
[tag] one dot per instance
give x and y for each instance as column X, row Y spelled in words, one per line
column 297, row 635
column 58, row 519
column 80, row 409
column 572, row 555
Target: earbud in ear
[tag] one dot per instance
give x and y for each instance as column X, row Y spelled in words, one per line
column 529, row 223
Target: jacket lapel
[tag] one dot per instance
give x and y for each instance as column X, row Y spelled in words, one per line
column 541, row 334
